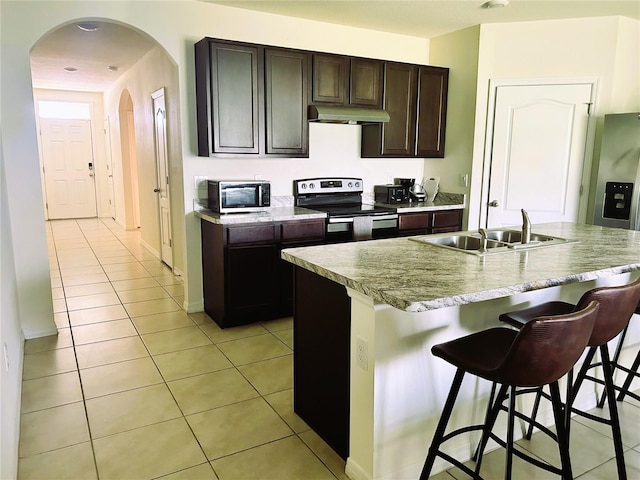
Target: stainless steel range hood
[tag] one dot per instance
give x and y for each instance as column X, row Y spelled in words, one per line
column 347, row 115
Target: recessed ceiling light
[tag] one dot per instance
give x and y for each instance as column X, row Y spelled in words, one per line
column 88, row 26
column 112, row 68
column 495, row 4
column 70, row 69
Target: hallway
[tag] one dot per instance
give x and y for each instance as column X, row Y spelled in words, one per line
column 134, row 388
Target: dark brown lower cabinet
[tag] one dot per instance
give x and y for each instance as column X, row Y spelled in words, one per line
column 244, row 279
column 321, row 359
column 425, row 223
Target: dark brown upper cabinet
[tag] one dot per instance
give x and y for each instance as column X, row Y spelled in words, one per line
column 286, row 92
column 366, row 83
column 415, row 97
column 228, row 92
column 330, row 79
column 340, row 80
column 251, row 100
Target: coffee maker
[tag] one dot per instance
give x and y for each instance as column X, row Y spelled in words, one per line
column 416, row 192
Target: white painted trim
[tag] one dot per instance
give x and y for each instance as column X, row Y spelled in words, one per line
column 193, row 307
column 45, row 332
column 354, row 471
column 152, row 250
column 488, row 146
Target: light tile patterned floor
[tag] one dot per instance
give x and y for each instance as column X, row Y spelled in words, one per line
column 134, row 388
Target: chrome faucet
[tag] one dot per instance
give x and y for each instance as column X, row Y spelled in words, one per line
column 526, row 227
column 483, row 240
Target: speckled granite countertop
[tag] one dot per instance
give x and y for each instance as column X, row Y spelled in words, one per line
column 417, row 277
column 443, row 201
column 273, row 214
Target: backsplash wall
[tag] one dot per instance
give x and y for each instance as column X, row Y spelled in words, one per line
column 334, row 150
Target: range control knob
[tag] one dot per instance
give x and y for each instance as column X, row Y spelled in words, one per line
column 312, row 185
column 303, row 186
column 357, row 184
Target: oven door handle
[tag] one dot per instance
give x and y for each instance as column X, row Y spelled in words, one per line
column 340, row 220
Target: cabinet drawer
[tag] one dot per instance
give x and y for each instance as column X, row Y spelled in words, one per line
column 414, row 221
column 248, row 234
column 302, row 231
column 452, row 218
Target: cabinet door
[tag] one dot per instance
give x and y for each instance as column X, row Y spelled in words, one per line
column 329, row 79
column 415, row 223
column 395, row 138
column 447, row 221
column 432, row 111
column 286, row 96
column 398, row 135
column 251, row 286
column 365, row 83
column 233, row 126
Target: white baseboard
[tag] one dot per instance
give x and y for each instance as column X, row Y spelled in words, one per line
column 152, row 250
column 355, row 471
column 193, row 307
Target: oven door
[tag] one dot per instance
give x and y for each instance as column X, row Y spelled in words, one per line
column 364, row 227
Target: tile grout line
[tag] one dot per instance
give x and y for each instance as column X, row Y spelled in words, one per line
column 75, row 354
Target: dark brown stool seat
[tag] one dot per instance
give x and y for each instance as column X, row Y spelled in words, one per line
column 540, row 353
column 617, row 305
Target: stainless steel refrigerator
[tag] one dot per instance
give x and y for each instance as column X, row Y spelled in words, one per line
column 618, row 185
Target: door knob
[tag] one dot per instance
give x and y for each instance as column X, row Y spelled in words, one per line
column 156, row 190
column 494, row 203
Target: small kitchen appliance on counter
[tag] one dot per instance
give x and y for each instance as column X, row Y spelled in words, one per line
column 391, row 193
column 227, row 196
column 431, row 188
column 348, row 218
column 416, row 192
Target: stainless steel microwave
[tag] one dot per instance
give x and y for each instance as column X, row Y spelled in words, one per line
column 227, row 196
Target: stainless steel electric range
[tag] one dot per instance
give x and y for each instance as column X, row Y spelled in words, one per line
column 348, row 219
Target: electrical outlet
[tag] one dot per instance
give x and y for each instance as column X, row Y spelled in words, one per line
column 362, row 353
column 464, row 179
column 258, row 176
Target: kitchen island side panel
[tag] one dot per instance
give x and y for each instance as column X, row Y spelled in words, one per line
column 321, row 379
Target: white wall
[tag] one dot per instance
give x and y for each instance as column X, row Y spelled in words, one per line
column 155, row 70
column 11, row 341
column 459, row 52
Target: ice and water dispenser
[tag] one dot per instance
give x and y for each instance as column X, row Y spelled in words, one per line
column 617, row 200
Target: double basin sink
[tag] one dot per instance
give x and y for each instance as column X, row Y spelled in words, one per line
column 498, row 241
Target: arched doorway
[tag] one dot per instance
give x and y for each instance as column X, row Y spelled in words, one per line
column 127, row 167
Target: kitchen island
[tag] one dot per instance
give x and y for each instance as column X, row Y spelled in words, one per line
column 376, row 308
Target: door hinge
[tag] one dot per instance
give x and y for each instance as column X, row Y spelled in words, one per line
column 170, row 243
column 167, row 180
column 581, row 189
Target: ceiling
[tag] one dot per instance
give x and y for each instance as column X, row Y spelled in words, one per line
column 118, row 46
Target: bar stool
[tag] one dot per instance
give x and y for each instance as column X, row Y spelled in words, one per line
column 617, row 305
column 631, row 372
column 540, row 353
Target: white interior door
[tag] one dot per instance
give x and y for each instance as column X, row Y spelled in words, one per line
column 67, row 155
column 162, row 165
column 537, row 153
